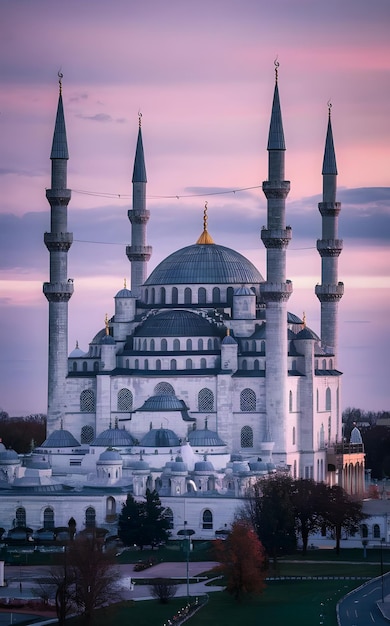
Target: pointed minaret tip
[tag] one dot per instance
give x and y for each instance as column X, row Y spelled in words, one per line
column 59, row 149
column 139, row 171
column 205, row 237
column 329, row 165
column 276, row 134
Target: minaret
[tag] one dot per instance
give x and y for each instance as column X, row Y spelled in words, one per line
column 329, row 247
column 138, row 253
column 276, row 290
column 60, row 288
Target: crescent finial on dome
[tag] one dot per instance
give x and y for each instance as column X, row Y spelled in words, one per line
column 205, row 237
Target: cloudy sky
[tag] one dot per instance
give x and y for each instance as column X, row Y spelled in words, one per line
column 202, row 74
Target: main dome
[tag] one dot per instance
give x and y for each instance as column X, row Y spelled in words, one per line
column 205, row 264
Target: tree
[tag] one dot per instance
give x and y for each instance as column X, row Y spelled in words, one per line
column 309, row 502
column 163, row 589
column 18, row 432
column 242, row 560
column 143, row 523
column 270, row 509
column 342, row 513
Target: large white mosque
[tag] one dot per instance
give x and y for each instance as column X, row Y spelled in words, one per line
column 201, row 381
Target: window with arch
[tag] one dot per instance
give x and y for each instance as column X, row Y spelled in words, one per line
column 87, row 401
column 144, row 345
column 152, row 295
column 207, row 520
column 200, row 344
column 125, row 400
column 201, row 295
column 158, row 364
column 294, row 364
column 162, row 295
column 189, row 345
column 262, row 347
column 173, row 364
column 330, row 364
column 176, row 345
column 87, row 434
column 216, row 295
column 316, row 364
column 246, row 437
column 188, row 364
column 152, row 345
column 146, row 296
column 209, row 344
column 216, row 343
column 324, row 364
column 48, row 518
column 247, row 400
column 127, row 364
column 290, row 401
column 146, row 364
column 293, row 436
column 229, row 295
column 175, row 295
column 256, row 364
column 74, row 366
column 328, row 399
column 20, row 517
column 90, row 517
column 295, row 469
column 317, row 400
column 364, row 530
column 136, row 364
column 244, row 365
column 110, row 506
column 164, row 345
column 203, row 363
column 168, row 514
column 322, row 437
column 96, row 366
column 376, row 531
column 85, row 366
column 205, row 400
column 187, row 296
column 164, row 389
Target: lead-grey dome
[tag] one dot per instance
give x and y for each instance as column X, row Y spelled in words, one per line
column 205, row 264
column 160, row 438
column 204, row 437
column 177, row 323
column 60, row 439
column 114, row 438
column 163, row 402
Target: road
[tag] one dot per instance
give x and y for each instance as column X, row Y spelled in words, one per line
column 362, row 606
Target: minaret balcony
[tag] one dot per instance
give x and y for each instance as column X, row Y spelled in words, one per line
column 329, row 247
column 276, row 292
column 276, row 238
column 58, row 241
column 58, row 292
column 329, row 293
column 138, row 216
column 58, row 196
column 139, row 253
column 329, row 209
column 276, row 188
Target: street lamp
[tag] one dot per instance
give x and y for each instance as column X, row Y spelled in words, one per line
column 186, row 533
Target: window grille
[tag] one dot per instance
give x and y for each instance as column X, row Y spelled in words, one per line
column 247, row 400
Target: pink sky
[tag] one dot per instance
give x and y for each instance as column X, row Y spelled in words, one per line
column 202, row 74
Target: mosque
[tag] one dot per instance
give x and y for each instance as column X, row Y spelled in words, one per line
column 200, row 382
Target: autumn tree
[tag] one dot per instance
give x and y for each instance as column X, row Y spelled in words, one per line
column 22, row 433
column 242, row 560
column 309, row 503
column 342, row 513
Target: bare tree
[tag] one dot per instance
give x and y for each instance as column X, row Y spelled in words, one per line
column 163, row 590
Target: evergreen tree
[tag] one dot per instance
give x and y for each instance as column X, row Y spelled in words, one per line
column 156, row 524
column 130, row 522
column 143, row 523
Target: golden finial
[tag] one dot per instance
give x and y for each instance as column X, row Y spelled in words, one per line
column 106, row 325
column 205, row 237
column 139, row 119
column 124, row 283
column 228, row 332
column 77, row 344
column 60, row 77
column 329, row 104
column 304, row 319
column 205, row 216
column 276, row 64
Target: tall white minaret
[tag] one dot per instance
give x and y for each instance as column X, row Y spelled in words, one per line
column 329, row 247
column 276, row 290
column 60, row 289
column 138, row 253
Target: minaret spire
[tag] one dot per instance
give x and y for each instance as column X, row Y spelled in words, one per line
column 138, row 252
column 60, row 288
column 276, row 290
column 329, row 247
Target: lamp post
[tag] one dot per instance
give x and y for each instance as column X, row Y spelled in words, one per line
column 382, row 541
column 187, row 540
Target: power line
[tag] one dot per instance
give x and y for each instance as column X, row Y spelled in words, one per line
column 120, row 196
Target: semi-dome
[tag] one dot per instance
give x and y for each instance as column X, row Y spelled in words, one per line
column 204, row 264
column 204, row 437
column 114, row 438
column 160, row 438
column 60, row 439
column 163, row 402
column 177, row 323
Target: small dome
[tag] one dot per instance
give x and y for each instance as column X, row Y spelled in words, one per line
column 139, row 465
column 163, row 402
column 243, row 291
column 178, row 466
column 114, row 438
column 124, row 293
column 160, row 438
column 228, row 340
column 9, row 457
column 107, row 340
column 60, row 439
column 109, row 457
column 77, row 353
column 204, row 466
column 204, row 438
column 240, row 467
column 307, row 333
column 258, row 466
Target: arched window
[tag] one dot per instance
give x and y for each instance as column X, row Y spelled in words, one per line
column 152, row 296
column 158, row 364
column 176, row 345
column 152, row 345
column 244, row 365
column 164, row 345
column 364, row 530
column 201, row 295
column 189, row 344
column 146, row 364
column 164, row 389
column 175, row 295
column 262, row 347
column 322, row 437
column 318, row 400
column 216, row 343
column 203, row 364
column 316, row 364
column 48, row 518
column 162, row 295
column 188, row 364
column 87, row 434
column 293, row 436
column 96, row 366
column 144, row 345
column 136, row 364
column 173, row 364
column 328, row 399
column 256, row 364
column 168, row 514
column 294, row 364
column 207, row 520
column 187, row 296
column 324, row 364
column 205, row 400
column 87, row 401
column 209, row 344
column 20, row 517
column 127, row 364
column 247, row 400
column 295, row 469
column 200, row 344
column 146, row 296
column 330, row 364
column 125, row 400
column 229, row 295
column 376, row 531
column 110, row 506
column 75, row 366
column 90, row 517
column 216, row 295
column 246, row 437
column 85, row 366
column 290, row 401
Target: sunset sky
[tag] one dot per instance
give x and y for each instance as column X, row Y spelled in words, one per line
column 202, row 74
